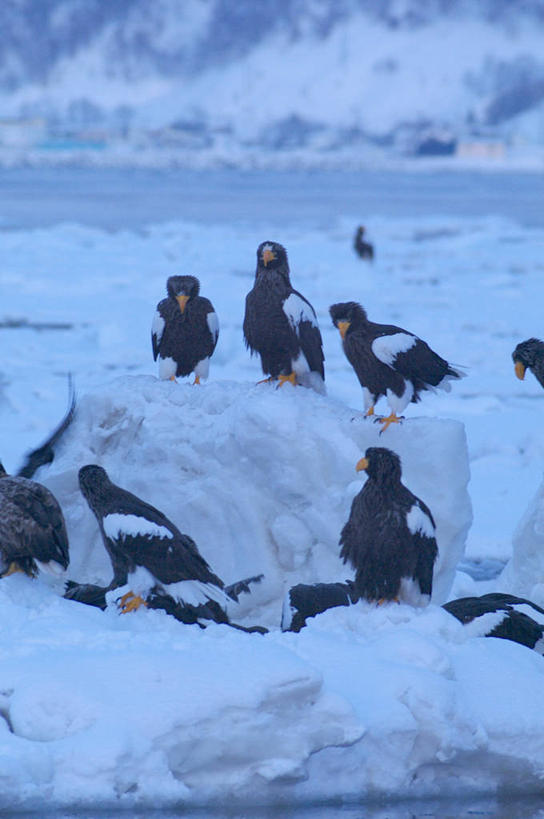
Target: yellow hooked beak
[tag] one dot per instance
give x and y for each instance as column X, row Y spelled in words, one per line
column 520, row 370
column 268, row 256
column 361, row 465
column 182, row 301
column 343, row 326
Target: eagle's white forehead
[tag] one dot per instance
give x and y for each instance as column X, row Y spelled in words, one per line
column 267, row 247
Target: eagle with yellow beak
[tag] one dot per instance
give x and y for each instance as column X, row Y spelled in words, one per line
column 529, row 355
column 281, row 325
column 390, row 536
column 389, row 361
column 184, row 331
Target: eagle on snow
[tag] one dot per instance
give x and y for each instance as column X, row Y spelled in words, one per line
column 184, row 331
column 281, row 325
column 389, row 361
column 149, row 554
column 389, row 538
column 32, row 528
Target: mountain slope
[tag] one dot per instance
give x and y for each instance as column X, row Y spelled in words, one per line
column 277, row 74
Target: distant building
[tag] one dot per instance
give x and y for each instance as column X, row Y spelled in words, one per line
column 481, row 149
column 21, row 133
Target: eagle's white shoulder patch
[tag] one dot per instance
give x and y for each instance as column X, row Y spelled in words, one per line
column 297, row 310
column 418, row 521
column 117, row 525
column 213, row 324
column 387, row 348
column 157, row 327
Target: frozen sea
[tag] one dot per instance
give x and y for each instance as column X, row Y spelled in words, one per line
column 84, row 255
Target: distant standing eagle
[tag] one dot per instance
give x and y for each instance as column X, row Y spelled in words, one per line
column 389, row 538
column 149, row 554
column 281, row 325
column 389, row 361
column 32, row 529
column 363, row 249
column 529, row 355
column 184, row 331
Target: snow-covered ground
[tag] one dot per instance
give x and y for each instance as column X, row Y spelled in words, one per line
column 365, row 701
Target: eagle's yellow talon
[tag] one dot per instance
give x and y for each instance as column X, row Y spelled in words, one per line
column 13, row 568
column 131, row 602
column 284, row 378
column 391, row 419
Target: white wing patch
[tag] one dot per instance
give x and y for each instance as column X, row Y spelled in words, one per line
column 287, row 613
column 297, row 310
column 387, row 348
column 157, row 326
column 117, row 525
column 418, row 521
column 213, row 324
column 195, row 592
column 484, row 624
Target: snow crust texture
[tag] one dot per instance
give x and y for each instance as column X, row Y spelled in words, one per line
column 129, row 707
column 139, row 709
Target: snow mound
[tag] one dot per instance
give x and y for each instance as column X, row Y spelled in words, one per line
column 261, row 478
column 524, row 573
column 117, row 711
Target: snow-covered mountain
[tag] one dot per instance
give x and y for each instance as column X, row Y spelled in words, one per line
column 277, row 74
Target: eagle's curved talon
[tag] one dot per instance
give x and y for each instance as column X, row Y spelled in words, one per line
column 391, row 419
column 130, row 602
column 283, row 379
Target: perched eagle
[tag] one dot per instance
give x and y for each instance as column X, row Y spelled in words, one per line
column 280, row 324
column 32, row 529
column 389, row 539
column 363, row 249
column 504, row 616
column 184, row 331
column 529, row 355
column 148, row 553
column 492, row 615
column 389, row 361
column 305, row 600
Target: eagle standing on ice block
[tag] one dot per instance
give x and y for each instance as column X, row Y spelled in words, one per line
column 32, row 529
column 389, row 538
column 184, row 331
column 148, row 552
column 529, row 355
column 389, row 361
column 281, row 325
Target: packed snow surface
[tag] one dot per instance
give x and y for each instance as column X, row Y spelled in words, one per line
column 366, row 701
